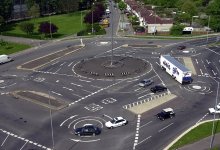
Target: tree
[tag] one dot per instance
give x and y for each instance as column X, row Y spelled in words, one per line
column 47, row 28
column 27, row 27
column 95, row 15
column 5, row 9
column 189, row 7
column 176, row 29
column 34, row 11
column 122, row 6
column 2, row 21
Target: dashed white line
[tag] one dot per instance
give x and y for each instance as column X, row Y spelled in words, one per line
column 84, row 80
column 71, row 117
column 62, row 64
column 146, row 124
column 165, row 127
column 56, row 93
column 96, row 86
column 76, row 84
column 197, row 61
column 68, row 88
column 144, row 140
column 201, row 71
column 137, row 132
column 86, row 91
column 70, row 64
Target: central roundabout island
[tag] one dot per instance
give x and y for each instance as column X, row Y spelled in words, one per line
column 116, row 67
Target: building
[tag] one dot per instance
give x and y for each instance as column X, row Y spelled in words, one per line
column 148, row 18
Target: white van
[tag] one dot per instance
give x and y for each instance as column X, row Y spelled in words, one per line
column 4, row 59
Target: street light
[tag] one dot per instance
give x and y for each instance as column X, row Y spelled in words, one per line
column 92, row 16
column 208, row 31
column 51, row 122
column 192, row 21
column 213, row 123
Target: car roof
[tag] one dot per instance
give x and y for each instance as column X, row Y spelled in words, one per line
column 168, row 109
column 118, row 118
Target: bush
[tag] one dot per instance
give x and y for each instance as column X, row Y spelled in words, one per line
column 27, row 27
column 177, row 29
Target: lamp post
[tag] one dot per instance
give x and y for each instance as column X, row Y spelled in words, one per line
column 51, row 122
column 92, row 16
column 207, row 39
column 213, row 123
column 192, row 21
column 112, row 34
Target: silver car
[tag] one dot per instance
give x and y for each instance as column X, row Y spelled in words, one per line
column 146, row 82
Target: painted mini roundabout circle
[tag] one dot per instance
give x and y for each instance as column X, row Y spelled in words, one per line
column 199, row 87
column 116, row 67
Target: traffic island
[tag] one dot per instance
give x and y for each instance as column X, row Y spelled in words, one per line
column 40, row 99
column 142, row 106
column 116, row 67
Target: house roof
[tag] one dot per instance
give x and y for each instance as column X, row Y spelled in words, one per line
column 147, row 13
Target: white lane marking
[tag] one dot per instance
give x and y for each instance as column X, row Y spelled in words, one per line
column 201, row 71
column 137, row 131
column 23, row 139
column 55, row 62
column 86, row 91
column 56, row 93
column 68, row 88
column 84, row 80
column 212, row 51
column 144, row 96
column 84, row 120
column 208, row 62
column 202, row 118
column 70, row 64
column 143, row 92
column 76, row 140
column 216, row 67
column 5, row 140
column 133, row 80
column 146, row 124
column 107, row 116
column 57, row 81
column 144, row 140
column 138, row 89
column 62, row 64
column 71, row 117
column 77, row 95
column 58, row 70
column 214, row 73
column 76, row 84
column 96, row 86
column 165, row 127
column 197, row 61
column 24, row 145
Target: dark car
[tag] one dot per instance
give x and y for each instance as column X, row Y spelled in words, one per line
column 88, row 130
column 165, row 114
column 181, row 47
column 158, row 88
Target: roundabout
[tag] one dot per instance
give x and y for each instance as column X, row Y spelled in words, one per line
column 117, row 67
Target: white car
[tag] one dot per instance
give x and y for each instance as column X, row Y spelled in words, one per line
column 215, row 111
column 116, row 122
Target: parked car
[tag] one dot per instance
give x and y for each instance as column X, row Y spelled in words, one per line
column 215, row 110
column 88, row 129
column 116, row 122
column 146, row 82
column 165, row 114
column 158, row 88
column 181, row 47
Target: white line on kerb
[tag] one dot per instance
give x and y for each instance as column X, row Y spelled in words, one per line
column 165, row 127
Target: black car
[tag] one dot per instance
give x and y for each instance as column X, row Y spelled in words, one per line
column 181, row 47
column 158, row 88
column 165, row 114
column 88, row 130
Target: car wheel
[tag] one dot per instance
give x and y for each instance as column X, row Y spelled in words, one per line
column 79, row 134
column 93, row 134
column 111, row 127
column 171, row 117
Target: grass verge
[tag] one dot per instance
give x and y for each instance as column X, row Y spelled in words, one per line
column 196, row 134
column 9, row 48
